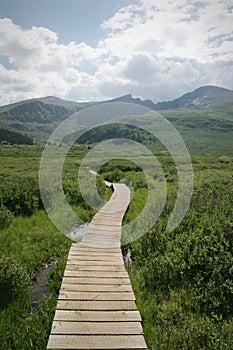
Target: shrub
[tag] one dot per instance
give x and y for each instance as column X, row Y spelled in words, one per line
column 6, row 217
column 20, row 195
column 14, row 279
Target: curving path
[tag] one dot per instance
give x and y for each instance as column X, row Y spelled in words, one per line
column 96, row 306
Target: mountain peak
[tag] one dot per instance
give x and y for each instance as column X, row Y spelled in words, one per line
column 130, row 99
column 204, row 96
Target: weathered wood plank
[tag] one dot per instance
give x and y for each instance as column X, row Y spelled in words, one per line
column 97, row 316
column 67, row 295
column 95, row 253
column 97, row 256
column 87, row 257
column 96, row 305
column 100, row 268
column 81, row 246
column 82, row 262
column 96, row 287
column 82, row 280
column 92, row 228
column 77, row 342
column 97, row 244
column 97, row 274
column 104, row 241
column 100, row 328
column 89, row 238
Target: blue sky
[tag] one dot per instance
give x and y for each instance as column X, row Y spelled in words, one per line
column 100, row 49
column 74, row 20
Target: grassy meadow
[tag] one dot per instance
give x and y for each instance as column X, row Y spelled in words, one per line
column 183, row 280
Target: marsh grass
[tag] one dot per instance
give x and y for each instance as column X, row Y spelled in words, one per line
column 182, row 281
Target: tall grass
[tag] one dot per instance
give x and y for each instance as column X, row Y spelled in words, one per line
column 183, row 281
column 27, row 245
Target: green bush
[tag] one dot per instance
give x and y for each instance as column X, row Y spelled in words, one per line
column 20, row 195
column 6, row 217
column 14, row 279
column 184, row 279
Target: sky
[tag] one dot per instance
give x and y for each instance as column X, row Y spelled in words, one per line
column 84, row 50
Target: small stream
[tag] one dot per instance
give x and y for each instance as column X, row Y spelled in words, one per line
column 40, row 284
column 77, row 233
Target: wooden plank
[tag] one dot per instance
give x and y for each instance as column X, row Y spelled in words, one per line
column 96, row 305
column 105, row 229
column 116, row 225
column 67, row 295
column 82, row 280
column 87, row 257
column 103, row 237
column 80, row 263
column 96, row 287
column 100, row 230
column 102, row 263
column 97, row 274
column 100, row 238
column 100, row 328
column 77, row 342
column 108, row 214
column 97, row 316
column 97, row 268
column 95, row 253
column 82, row 247
column 107, row 183
column 106, row 244
column 97, row 257
column 110, row 225
column 117, row 259
column 86, row 248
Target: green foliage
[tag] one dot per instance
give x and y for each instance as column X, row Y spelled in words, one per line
column 114, row 131
column 14, row 279
column 12, row 137
column 184, row 280
column 20, row 195
column 26, row 330
column 212, row 127
column 121, row 164
column 28, row 244
column 6, row 217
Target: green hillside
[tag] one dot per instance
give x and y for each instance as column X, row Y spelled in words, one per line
column 37, row 117
column 205, row 131
column 204, row 118
column 11, row 137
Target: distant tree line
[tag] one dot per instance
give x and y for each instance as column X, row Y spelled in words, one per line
column 113, row 131
column 7, row 136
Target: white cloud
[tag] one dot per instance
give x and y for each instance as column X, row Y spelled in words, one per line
column 167, row 48
column 42, row 66
column 151, row 69
column 153, row 49
column 23, row 47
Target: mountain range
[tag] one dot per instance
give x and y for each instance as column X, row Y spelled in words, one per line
column 204, row 96
column 207, row 110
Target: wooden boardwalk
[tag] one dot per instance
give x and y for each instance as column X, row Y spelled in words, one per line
column 96, row 305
